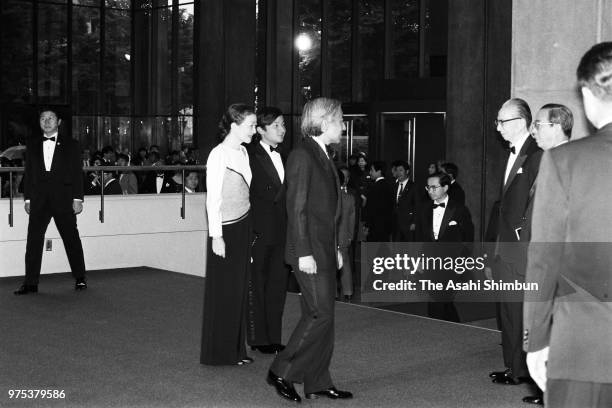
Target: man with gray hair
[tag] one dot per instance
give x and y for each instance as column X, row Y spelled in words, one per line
column 513, row 122
column 568, row 321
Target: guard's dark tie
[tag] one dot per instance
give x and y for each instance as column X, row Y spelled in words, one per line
column 441, row 205
column 52, row 139
column 273, row 149
column 512, row 150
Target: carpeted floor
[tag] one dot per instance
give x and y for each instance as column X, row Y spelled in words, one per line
column 132, row 340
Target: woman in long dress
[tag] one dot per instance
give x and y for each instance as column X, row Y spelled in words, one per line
column 228, row 177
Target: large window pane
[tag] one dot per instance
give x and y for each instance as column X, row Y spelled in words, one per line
column 116, row 132
column 185, row 59
column 85, row 59
column 16, row 40
column 118, row 4
column 86, row 129
column 308, row 43
column 52, row 53
column 117, row 56
column 404, row 39
column 371, row 41
column 86, row 2
column 339, row 46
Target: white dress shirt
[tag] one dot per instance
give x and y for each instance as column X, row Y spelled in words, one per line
column 438, row 214
column 276, row 160
column 512, row 158
column 49, row 150
column 400, row 188
column 320, row 143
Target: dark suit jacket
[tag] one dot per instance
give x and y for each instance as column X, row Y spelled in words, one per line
column 455, row 191
column 456, row 224
column 65, row 180
column 571, row 312
column 346, row 229
column 404, row 209
column 508, row 212
column 268, row 197
column 313, row 207
column 378, row 211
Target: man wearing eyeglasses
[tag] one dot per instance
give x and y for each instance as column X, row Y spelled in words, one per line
column 521, row 168
column 568, row 321
column 552, row 127
column 445, row 220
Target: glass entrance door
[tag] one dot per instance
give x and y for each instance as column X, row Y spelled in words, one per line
column 417, row 137
column 355, row 139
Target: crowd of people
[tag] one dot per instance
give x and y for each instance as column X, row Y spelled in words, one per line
column 270, row 215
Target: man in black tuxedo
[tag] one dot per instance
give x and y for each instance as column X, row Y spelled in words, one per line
column 53, row 189
column 445, row 220
column 313, row 210
column 269, row 273
column 521, row 169
column 455, row 191
column 404, row 210
column 378, row 211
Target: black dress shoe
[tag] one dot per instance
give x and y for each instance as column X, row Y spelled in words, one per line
column 331, row 392
column 283, row 387
column 534, row 399
column 245, row 361
column 265, row 349
column 80, row 284
column 25, row 289
column 507, row 380
column 496, row 374
column 348, row 298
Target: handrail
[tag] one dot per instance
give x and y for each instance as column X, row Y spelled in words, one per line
column 91, row 169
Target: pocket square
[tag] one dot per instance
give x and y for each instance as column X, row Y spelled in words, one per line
column 450, row 224
column 520, row 171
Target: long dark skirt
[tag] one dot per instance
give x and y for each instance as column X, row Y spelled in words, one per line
column 225, row 297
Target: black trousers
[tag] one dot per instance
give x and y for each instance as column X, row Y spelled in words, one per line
column 308, row 353
column 65, row 221
column 511, row 323
column 225, row 297
column 267, row 294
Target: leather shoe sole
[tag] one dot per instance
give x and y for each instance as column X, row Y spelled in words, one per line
column 25, row 289
column 265, row 349
column 283, row 387
column 80, row 285
column 332, row 393
column 534, row 399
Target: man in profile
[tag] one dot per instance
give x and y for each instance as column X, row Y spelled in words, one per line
column 513, row 122
column 568, row 321
column 552, row 127
column 53, row 189
column 313, row 211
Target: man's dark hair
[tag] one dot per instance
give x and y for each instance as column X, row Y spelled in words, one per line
column 107, row 149
column 451, row 169
column 595, row 70
column 444, row 178
column 43, row 109
column 401, row 163
column 562, row 115
column 379, row 165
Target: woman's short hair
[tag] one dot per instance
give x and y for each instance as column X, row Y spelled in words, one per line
column 315, row 112
column 235, row 113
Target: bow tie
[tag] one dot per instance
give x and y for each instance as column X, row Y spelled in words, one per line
column 441, row 205
column 273, row 149
column 47, row 139
column 512, row 150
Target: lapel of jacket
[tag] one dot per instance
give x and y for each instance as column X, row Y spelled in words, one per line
column 267, row 164
column 518, row 163
column 59, row 151
column 449, row 211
